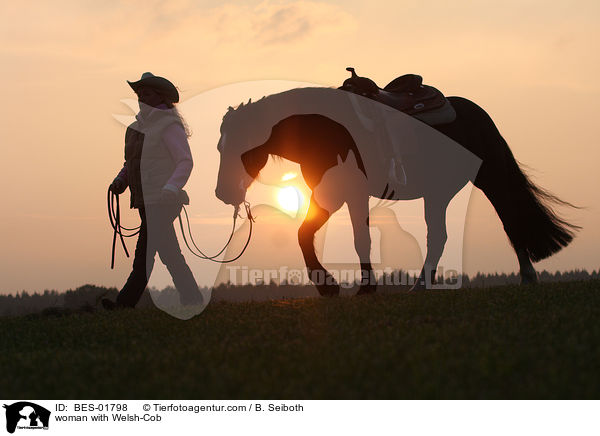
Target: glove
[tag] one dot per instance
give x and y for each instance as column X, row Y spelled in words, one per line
column 118, row 186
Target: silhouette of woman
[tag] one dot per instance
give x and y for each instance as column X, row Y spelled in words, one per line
column 158, row 163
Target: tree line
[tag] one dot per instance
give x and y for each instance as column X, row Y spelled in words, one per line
column 87, row 298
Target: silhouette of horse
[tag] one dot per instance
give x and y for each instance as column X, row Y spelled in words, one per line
column 345, row 143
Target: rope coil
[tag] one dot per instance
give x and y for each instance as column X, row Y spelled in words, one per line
column 114, row 215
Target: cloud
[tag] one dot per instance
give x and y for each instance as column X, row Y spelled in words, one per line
column 284, row 22
column 273, row 22
column 89, row 29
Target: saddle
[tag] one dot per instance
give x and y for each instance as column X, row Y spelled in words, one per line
column 407, row 94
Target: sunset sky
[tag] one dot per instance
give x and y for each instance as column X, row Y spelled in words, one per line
column 532, row 65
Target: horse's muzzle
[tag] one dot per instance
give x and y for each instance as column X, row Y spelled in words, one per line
column 230, row 198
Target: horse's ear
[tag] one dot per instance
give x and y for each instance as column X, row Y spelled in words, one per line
column 229, row 109
column 241, row 105
column 249, row 100
column 351, row 159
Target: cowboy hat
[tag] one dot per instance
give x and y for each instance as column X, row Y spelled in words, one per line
column 159, row 83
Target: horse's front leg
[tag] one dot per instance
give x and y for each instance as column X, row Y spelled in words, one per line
column 358, row 207
column 323, row 280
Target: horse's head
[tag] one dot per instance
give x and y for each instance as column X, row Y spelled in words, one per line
column 241, row 131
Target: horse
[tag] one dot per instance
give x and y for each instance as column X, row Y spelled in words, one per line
column 350, row 148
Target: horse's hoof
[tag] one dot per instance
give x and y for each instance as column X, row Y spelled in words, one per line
column 367, row 289
column 418, row 286
column 529, row 279
column 324, row 282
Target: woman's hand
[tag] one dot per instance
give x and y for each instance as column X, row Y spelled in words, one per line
column 118, row 186
column 167, row 196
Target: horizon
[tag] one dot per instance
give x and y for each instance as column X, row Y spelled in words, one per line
column 477, row 281
column 531, row 66
column 544, row 275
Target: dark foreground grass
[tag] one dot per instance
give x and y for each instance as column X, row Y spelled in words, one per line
column 508, row 342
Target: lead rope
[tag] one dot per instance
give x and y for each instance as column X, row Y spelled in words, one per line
column 251, row 220
column 114, row 215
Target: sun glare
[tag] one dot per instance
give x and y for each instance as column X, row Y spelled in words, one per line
column 289, row 176
column 289, row 199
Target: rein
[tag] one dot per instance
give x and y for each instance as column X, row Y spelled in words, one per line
column 114, row 215
column 212, row 258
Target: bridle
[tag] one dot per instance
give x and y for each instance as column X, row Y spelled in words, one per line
column 114, row 215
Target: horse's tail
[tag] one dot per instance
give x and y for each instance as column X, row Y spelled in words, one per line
column 525, row 209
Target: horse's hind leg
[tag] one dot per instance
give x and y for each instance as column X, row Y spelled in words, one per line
column 504, row 202
column 435, row 218
column 359, row 215
column 315, row 218
column 526, row 269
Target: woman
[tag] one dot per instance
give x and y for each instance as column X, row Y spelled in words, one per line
column 158, row 163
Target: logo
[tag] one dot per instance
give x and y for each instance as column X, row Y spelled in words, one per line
column 26, row 415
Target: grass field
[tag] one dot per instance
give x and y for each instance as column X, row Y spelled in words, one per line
column 508, row 342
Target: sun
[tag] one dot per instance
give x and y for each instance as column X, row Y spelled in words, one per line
column 289, row 199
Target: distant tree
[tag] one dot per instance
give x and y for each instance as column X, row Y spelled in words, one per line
column 87, row 297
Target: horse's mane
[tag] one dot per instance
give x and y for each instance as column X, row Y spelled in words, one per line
column 240, row 108
column 250, row 105
column 251, row 109
column 265, row 99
